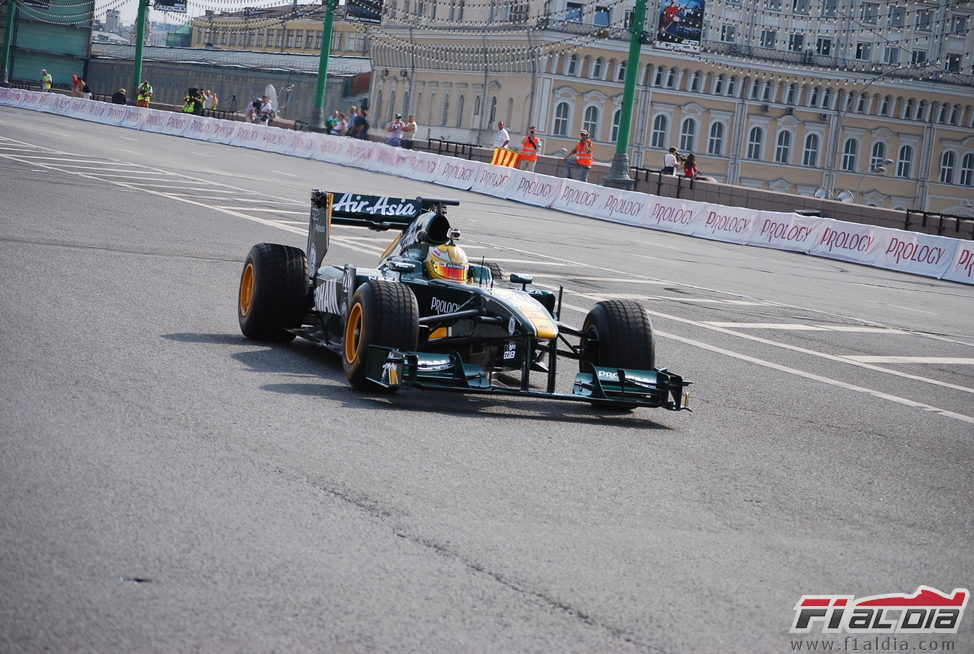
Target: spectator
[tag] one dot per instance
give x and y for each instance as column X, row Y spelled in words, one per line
column 409, row 132
column 76, row 85
column 47, row 82
column 360, row 127
column 670, row 160
column 341, row 127
column 210, row 99
column 331, row 122
column 529, row 149
column 690, row 166
column 85, row 90
column 583, row 153
column 502, row 138
column 193, row 101
column 118, row 97
column 267, row 112
column 143, row 94
column 253, row 110
column 395, row 131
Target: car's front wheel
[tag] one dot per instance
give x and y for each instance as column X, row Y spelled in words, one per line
column 380, row 313
column 617, row 334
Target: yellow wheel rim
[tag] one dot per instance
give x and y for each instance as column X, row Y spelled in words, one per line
column 353, row 333
column 247, row 289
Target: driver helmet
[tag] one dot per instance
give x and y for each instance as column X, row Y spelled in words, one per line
column 447, row 262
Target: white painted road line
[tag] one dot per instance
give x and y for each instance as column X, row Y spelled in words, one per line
column 863, row 329
column 959, row 361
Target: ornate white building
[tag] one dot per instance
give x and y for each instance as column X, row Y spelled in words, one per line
column 860, row 100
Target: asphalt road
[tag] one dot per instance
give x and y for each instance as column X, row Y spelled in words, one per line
column 169, row 486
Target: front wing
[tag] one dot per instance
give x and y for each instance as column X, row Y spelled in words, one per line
column 393, row 369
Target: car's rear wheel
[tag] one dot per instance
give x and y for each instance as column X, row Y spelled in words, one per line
column 273, row 293
column 380, row 313
column 617, row 334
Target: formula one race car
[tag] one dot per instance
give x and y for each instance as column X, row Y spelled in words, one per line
column 428, row 318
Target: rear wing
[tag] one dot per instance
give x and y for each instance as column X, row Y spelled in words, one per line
column 372, row 211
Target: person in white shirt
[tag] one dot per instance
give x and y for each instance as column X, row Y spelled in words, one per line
column 502, row 138
column 670, row 159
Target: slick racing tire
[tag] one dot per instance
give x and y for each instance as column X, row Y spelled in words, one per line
column 617, row 334
column 273, row 293
column 380, row 313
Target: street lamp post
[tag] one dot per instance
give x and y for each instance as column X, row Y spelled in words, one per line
column 318, row 111
column 8, row 39
column 619, row 173
column 873, row 168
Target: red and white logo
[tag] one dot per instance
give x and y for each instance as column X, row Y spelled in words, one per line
column 927, row 611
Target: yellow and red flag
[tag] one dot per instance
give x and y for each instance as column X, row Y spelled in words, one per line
column 504, row 157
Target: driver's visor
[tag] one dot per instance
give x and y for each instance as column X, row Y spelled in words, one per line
column 453, row 271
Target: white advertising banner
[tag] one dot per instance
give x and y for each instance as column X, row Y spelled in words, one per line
column 200, row 127
column 845, row 241
column 922, row 254
column 274, row 139
column 579, row 198
column 115, row 115
column 331, row 149
column 621, row 206
column 421, row 166
column 361, row 153
column 961, row 269
column 728, row 224
column 533, row 188
column 302, row 144
column 786, row 231
column 224, row 131
column 135, row 116
column 390, row 160
column 493, row 180
column 673, row 214
column 457, row 173
column 177, row 123
column 249, row 135
column 155, row 121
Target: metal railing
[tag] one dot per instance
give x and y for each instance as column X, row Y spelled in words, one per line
column 942, row 221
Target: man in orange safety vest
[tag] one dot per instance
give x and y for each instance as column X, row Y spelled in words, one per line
column 529, row 149
column 583, row 158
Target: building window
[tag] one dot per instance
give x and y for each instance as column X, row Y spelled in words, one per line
column 561, row 119
column 695, row 81
column 823, row 46
column 953, row 63
column 967, row 170
column 493, row 109
column 908, row 112
column 309, row 40
column 459, row 110
column 573, row 12
column 827, row 98
column 754, row 141
column 918, row 57
column 813, row 98
column 769, row 38
column 572, row 65
column 671, row 79
column 869, row 13
column 774, row 5
column 446, row 110
column 810, row 153
column 616, row 121
column 958, row 24
column 715, row 144
column 947, row 162
column 755, row 90
column 318, row 37
column 923, row 20
column 688, row 135
column 849, row 153
column 864, row 51
column 621, row 75
column 801, row 6
column 597, row 68
column 260, row 39
column 879, row 155
column 719, row 85
column 884, row 107
column 905, row 162
column 897, row 16
column 590, row 122
column 891, row 55
column 830, row 8
column 796, row 42
column 660, row 127
column 790, row 96
column 782, row 152
column 728, row 33
column 603, row 16
column 732, row 86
